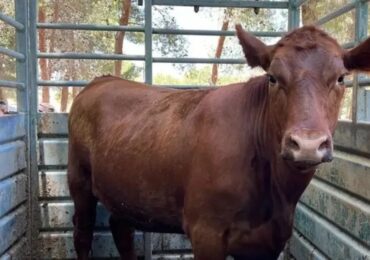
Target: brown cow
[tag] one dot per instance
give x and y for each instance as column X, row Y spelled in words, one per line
column 224, row 166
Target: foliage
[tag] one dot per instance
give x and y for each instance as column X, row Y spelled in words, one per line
column 7, row 40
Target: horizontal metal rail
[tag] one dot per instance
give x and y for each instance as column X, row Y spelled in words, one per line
column 336, row 13
column 62, row 83
column 298, row 3
column 11, row 84
column 89, row 56
column 89, row 27
column 349, row 45
column 92, row 27
column 12, row 22
column 98, row 56
column 199, row 60
column 213, row 32
column 83, row 83
column 186, row 86
column 364, row 82
column 14, row 54
column 223, row 3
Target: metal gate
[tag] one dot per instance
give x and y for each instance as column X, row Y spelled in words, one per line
column 332, row 219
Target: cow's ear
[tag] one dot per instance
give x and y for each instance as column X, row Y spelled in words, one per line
column 358, row 58
column 256, row 52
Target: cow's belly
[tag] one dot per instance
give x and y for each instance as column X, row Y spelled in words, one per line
column 138, row 201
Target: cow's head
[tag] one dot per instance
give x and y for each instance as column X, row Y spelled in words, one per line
column 306, row 71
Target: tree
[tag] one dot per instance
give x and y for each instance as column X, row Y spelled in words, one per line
column 125, row 15
column 43, row 48
column 220, row 44
column 7, row 65
column 70, row 11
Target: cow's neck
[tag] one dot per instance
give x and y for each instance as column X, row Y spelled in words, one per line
column 290, row 182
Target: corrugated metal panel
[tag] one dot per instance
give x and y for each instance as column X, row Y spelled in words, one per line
column 13, row 187
column 12, row 227
column 328, row 237
column 18, row 251
column 12, row 193
column 12, row 158
column 348, row 172
column 302, row 249
column 12, row 127
column 353, row 136
column 349, row 213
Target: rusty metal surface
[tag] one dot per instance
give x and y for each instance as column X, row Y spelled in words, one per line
column 59, row 245
column 58, row 215
column 53, row 124
column 53, row 184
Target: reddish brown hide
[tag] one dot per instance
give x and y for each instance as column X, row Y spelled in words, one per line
column 224, row 166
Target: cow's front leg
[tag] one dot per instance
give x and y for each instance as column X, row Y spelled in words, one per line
column 208, row 241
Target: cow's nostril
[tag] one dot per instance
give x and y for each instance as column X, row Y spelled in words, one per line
column 325, row 145
column 293, row 144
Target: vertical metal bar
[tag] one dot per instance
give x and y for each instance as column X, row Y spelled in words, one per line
column 361, row 27
column 148, row 42
column 25, row 13
column 293, row 15
column 148, row 79
column 21, row 47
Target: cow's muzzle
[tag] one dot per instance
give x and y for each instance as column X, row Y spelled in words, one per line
column 307, row 149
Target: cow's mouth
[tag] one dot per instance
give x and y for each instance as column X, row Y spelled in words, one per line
column 304, row 166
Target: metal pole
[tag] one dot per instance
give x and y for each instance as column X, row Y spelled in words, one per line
column 293, row 15
column 148, row 42
column 148, row 79
column 25, row 13
column 359, row 105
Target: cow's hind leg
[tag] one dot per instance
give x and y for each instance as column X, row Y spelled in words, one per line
column 79, row 182
column 123, row 235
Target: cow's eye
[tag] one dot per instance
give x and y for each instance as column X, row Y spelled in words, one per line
column 272, row 80
column 341, row 80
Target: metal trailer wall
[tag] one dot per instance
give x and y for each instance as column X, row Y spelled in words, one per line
column 16, row 135
column 332, row 218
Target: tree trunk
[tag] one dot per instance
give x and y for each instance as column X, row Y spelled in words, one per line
column 220, row 46
column 43, row 62
column 118, row 45
column 71, row 68
column 2, row 96
column 64, row 99
column 75, row 90
column 309, row 16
